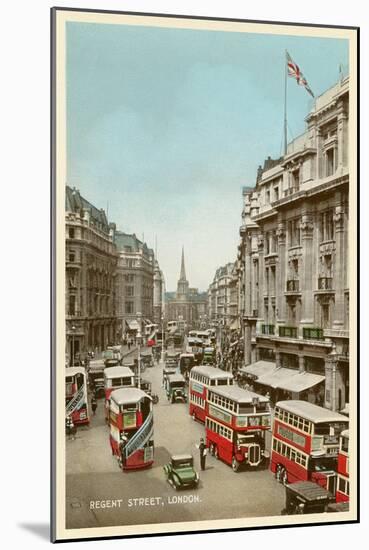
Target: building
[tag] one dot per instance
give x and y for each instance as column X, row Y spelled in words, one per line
column 222, row 296
column 90, row 267
column 293, row 255
column 187, row 304
column 135, row 283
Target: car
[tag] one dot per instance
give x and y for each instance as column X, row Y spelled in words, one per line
column 176, row 388
column 180, row 472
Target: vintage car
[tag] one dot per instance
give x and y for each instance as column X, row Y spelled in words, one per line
column 180, row 472
column 176, row 388
column 167, row 371
column 306, row 497
column 147, row 359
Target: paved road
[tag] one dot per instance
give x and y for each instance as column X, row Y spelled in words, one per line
column 93, row 475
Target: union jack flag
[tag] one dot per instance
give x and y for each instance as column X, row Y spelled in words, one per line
column 294, row 72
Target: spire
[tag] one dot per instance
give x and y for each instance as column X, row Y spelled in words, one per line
column 182, row 276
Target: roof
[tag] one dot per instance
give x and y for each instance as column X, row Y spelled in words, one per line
column 309, row 490
column 133, row 324
column 71, row 371
column 184, row 355
column 212, row 372
column 116, row 372
column 129, row 243
column 182, row 457
column 209, row 350
column 97, row 364
column 176, row 378
column 74, row 202
column 127, row 395
column 345, row 433
column 239, row 395
column 259, row 368
column 311, row 412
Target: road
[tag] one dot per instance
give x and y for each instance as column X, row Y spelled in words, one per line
column 95, row 480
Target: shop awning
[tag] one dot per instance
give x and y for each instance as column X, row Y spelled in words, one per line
column 259, row 368
column 133, row 325
column 301, row 381
column 276, row 377
column 235, row 325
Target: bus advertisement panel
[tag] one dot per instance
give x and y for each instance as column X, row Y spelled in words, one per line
column 305, row 443
column 236, row 423
column 202, row 378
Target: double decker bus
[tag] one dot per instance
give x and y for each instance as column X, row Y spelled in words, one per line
column 203, row 377
column 114, row 378
column 236, row 423
column 343, row 480
column 305, row 443
column 131, row 428
column 76, row 401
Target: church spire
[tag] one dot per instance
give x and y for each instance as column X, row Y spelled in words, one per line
column 182, row 276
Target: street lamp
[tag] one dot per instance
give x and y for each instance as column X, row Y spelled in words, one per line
column 139, row 353
column 73, row 329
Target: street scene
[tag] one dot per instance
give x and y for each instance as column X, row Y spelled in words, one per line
column 207, row 329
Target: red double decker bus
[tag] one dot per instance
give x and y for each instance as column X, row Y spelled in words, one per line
column 131, row 428
column 236, row 423
column 202, row 378
column 76, row 401
column 114, row 378
column 305, row 443
column 343, row 478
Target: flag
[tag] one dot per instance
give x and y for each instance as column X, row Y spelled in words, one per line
column 294, row 72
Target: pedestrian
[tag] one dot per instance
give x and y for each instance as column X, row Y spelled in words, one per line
column 122, row 445
column 93, row 405
column 71, row 428
column 203, row 452
column 129, row 344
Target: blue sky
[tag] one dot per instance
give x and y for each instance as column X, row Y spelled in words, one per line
column 165, row 127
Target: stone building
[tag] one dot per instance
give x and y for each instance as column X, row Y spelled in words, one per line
column 187, row 304
column 293, row 262
column 135, row 282
column 158, row 294
column 90, row 268
column 222, row 296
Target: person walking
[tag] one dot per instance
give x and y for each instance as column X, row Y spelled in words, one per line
column 71, row 428
column 203, row 452
column 93, row 404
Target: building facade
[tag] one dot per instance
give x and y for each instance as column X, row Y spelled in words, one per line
column 223, row 296
column 90, row 268
column 186, row 303
column 293, row 257
column 158, row 294
column 134, row 283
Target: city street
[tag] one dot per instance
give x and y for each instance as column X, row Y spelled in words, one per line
column 100, row 494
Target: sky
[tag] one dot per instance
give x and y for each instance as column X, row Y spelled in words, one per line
column 165, row 127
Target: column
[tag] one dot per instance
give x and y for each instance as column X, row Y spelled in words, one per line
column 339, row 271
column 261, row 275
column 281, row 273
column 301, row 363
column 278, row 363
column 306, row 279
column 247, row 342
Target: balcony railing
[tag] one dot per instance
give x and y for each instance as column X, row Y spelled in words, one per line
column 312, row 333
column 267, row 329
column 293, row 285
column 288, row 332
column 325, row 283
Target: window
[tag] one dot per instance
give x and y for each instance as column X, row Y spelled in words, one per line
column 129, row 290
column 71, row 232
column 72, row 305
column 276, row 193
column 268, row 197
column 72, row 256
column 294, row 232
column 129, row 307
column 326, row 226
column 330, row 161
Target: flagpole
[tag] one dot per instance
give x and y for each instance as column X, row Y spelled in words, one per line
column 285, row 103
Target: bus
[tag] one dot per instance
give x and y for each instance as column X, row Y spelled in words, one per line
column 305, row 442
column 114, row 378
column 186, row 363
column 131, row 425
column 194, row 345
column 236, row 423
column 203, row 377
column 76, row 401
column 343, row 480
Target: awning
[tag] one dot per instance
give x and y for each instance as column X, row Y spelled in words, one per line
column 133, row 325
column 259, row 368
column 290, row 380
column 301, row 382
column 235, row 325
column 276, row 377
